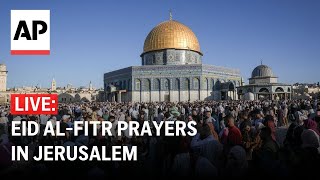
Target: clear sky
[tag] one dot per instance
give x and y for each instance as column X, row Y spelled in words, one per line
column 89, row 38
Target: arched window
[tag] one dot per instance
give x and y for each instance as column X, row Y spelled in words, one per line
column 138, row 85
column 264, row 90
column 166, row 84
column 279, row 89
column 157, row 84
column 186, row 84
column 147, row 85
column 196, row 83
column 206, row 83
column 231, row 86
column 177, row 84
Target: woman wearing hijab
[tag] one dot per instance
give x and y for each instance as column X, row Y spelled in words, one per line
column 308, row 157
column 311, row 124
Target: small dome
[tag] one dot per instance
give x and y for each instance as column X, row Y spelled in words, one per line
column 262, row 71
column 248, row 96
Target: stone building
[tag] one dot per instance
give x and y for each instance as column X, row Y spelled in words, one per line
column 263, row 84
column 53, row 85
column 4, row 97
column 171, row 70
column 77, row 97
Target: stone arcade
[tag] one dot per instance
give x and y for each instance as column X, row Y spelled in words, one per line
column 171, row 70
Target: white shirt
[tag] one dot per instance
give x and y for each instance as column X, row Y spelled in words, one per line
column 122, row 117
column 135, row 114
column 43, row 119
column 113, row 129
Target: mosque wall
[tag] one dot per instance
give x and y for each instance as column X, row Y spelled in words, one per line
column 178, row 96
column 126, row 97
column 174, row 82
column 171, row 57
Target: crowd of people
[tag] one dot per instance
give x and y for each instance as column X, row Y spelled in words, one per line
column 235, row 138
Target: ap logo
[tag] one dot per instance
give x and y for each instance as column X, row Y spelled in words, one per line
column 30, row 32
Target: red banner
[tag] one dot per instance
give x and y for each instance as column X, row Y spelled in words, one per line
column 34, row 104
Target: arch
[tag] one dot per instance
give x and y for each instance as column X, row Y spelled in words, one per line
column 146, row 97
column 166, row 84
column 177, row 84
column 213, row 84
column 196, row 83
column 84, row 99
column 157, row 84
column 217, row 86
column 206, row 84
column 231, row 86
column 186, row 83
column 264, row 90
column 77, row 97
column 147, row 85
column 138, row 85
column 289, row 90
column 279, row 89
column 65, row 97
column 177, row 87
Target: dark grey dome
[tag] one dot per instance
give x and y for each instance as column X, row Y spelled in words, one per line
column 262, row 71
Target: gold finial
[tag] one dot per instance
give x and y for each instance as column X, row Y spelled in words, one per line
column 170, row 14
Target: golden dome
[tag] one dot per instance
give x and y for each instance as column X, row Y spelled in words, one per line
column 171, row 35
